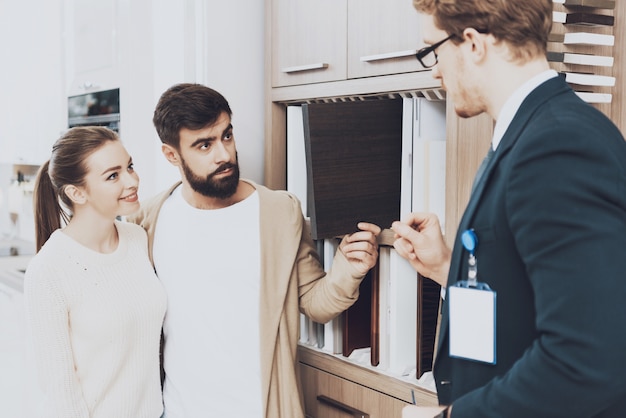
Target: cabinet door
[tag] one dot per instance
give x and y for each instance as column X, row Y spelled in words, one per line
column 329, row 396
column 308, row 41
column 383, row 37
column 91, row 45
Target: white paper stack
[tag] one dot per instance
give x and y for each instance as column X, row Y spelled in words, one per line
column 398, row 310
column 559, row 17
column 297, row 184
column 429, row 158
column 589, row 79
column 588, row 59
column 586, row 38
column 296, row 156
column 591, row 97
column 333, row 328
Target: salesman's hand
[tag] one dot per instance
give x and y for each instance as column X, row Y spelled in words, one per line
column 361, row 248
column 420, row 241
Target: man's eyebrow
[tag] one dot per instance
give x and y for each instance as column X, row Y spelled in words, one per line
column 211, row 138
column 202, row 140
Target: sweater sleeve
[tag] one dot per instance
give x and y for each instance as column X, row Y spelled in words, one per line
column 48, row 320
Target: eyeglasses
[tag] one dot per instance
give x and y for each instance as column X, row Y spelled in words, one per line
column 427, row 55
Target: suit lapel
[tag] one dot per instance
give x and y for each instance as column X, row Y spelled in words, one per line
column 519, row 123
column 529, row 106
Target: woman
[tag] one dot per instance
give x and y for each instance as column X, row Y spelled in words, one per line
column 93, row 301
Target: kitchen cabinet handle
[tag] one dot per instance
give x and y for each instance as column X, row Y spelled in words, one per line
column 87, row 85
column 342, row 407
column 389, row 55
column 308, row 67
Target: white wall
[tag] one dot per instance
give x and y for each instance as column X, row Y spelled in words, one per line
column 32, row 112
column 234, row 66
column 32, row 105
column 163, row 42
column 219, row 44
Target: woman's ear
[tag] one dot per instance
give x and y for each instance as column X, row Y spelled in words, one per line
column 75, row 194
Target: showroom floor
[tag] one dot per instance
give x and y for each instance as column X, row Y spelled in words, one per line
column 18, row 390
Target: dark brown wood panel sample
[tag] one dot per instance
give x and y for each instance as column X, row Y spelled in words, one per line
column 357, row 319
column 555, row 56
column 353, row 152
column 375, row 315
column 590, row 19
column 428, row 298
column 596, row 4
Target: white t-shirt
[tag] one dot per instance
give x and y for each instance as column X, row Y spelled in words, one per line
column 209, row 263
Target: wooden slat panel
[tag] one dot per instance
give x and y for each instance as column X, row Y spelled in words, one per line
column 560, row 29
column 618, row 108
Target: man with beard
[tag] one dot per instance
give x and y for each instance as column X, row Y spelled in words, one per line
column 239, row 266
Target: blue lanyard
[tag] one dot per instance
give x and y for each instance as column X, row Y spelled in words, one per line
column 470, row 242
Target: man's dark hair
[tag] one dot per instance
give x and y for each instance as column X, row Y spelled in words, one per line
column 187, row 105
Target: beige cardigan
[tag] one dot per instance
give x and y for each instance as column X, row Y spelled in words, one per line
column 292, row 281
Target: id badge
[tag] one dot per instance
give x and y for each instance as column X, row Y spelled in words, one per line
column 472, row 322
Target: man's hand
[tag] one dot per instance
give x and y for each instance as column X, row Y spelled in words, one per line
column 361, row 248
column 420, row 241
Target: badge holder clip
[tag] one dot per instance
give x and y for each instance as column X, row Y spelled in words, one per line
column 472, row 312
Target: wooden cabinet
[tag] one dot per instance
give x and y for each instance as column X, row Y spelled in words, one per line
column 382, row 38
column 368, row 33
column 329, row 396
column 331, row 40
column 332, row 385
column 309, row 43
column 333, row 388
column 92, row 50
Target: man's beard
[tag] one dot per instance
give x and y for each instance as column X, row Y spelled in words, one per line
column 211, row 187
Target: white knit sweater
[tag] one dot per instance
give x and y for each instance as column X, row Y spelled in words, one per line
column 96, row 324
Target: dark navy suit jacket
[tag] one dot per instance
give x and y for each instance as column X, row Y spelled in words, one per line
column 550, row 216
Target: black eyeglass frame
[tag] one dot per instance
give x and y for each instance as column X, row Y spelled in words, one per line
column 423, row 52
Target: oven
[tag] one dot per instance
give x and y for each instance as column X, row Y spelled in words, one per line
column 100, row 108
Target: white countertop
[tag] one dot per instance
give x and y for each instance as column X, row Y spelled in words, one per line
column 12, row 271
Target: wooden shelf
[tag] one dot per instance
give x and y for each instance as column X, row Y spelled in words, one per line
column 389, row 84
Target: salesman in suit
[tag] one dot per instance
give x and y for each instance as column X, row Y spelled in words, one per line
column 545, row 228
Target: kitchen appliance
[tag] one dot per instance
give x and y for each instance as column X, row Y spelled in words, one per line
column 100, row 108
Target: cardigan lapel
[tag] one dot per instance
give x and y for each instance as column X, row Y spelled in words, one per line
column 280, row 241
